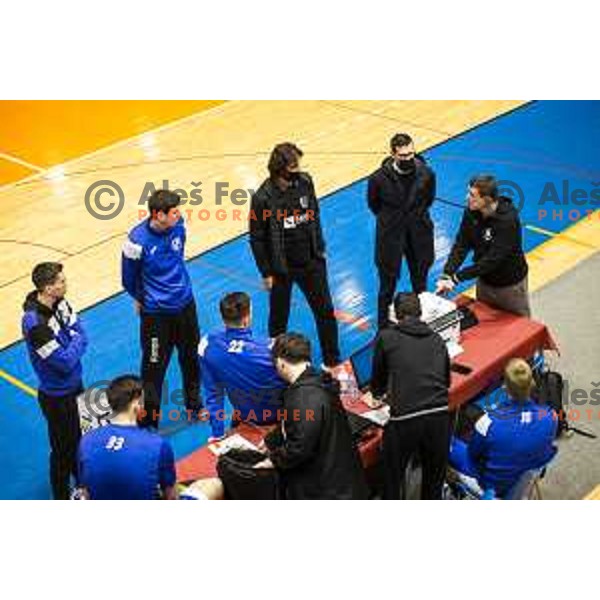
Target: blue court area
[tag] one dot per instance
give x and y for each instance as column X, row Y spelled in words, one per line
column 539, row 143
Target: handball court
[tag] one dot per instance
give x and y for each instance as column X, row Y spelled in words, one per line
column 51, row 153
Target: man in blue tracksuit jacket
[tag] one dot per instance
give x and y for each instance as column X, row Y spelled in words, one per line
column 56, row 341
column 155, row 275
column 239, row 364
column 515, row 437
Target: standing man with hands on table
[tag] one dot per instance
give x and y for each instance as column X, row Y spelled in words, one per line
column 400, row 194
column 155, row 275
column 491, row 228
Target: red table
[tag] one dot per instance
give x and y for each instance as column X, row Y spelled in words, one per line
column 498, row 337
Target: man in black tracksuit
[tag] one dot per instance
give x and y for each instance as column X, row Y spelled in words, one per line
column 491, row 228
column 288, row 247
column 411, row 368
column 313, row 449
column 400, row 194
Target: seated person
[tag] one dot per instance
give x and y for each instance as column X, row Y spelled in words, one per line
column 509, row 440
column 237, row 363
column 121, row 461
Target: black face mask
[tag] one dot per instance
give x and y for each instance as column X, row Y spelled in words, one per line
column 291, row 176
column 406, row 166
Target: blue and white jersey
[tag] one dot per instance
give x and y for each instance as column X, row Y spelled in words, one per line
column 239, row 365
column 124, row 462
column 513, row 438
column 154, row 270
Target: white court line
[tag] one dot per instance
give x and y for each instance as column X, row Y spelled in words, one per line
column 23, row 163
column 160, row 128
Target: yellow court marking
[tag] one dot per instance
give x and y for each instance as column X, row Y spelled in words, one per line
column 11, row 171
column 18, row 383
column 594, row 494
column 563, row 235
column 21, row 162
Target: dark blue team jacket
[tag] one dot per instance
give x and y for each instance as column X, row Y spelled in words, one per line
column 56, row 341
column 153, row 268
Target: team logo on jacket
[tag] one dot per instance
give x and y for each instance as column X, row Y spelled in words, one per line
column 176, row 244
column 304, row 202
column 487, row 234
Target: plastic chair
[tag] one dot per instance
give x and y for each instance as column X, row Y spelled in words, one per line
column 527, row 487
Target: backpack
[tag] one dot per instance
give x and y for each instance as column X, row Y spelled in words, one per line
column 241, row 481
column 550, row 390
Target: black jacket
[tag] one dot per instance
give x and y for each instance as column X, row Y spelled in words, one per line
column 313, row 450
column 401, row 209
column 412, row 365
column 267, row 237
column 497, row 244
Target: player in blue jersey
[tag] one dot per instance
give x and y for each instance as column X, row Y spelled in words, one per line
column 515, row 437
column 237, row 363
column 155, row 275
column 121, row 461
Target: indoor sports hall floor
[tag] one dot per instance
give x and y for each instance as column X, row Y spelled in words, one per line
column 533, row 145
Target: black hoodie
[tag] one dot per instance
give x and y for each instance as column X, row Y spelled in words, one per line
column 313, row 449
column 276, row 235
column 497, row 245
column 401, row 205
column 412, row 365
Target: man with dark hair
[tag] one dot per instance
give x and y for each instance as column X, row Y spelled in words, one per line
column 237, row 363
column 400, row 194
column 313, row 448
column 56, row 342
column 491, row 228
column 155, row 275
column 121, row 461
column 288, row 247
column 411, row 370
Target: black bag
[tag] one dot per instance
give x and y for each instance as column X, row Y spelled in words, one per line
column 241, row 481
column 550, row 389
